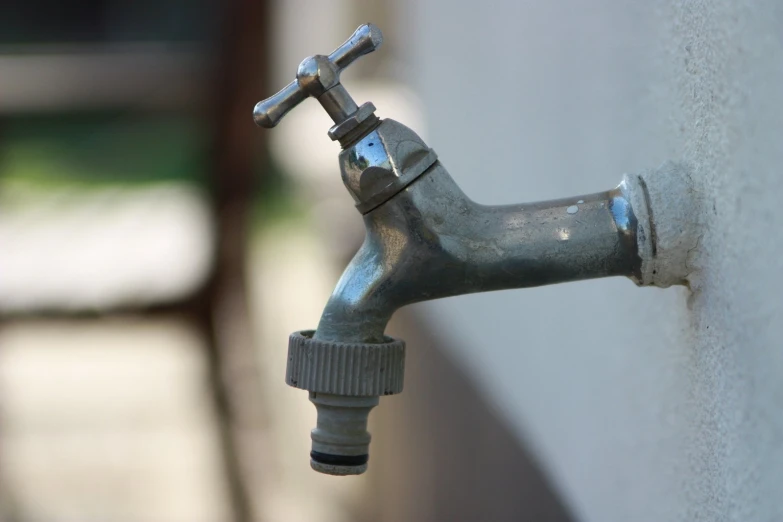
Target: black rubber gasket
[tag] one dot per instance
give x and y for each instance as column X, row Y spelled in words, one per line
column 339, row 460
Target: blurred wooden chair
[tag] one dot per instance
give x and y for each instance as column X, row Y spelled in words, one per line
column 149, row 227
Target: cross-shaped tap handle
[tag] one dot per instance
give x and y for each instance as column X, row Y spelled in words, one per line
column 319, row 76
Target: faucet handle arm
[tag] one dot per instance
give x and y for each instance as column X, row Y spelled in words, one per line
column 319, row 76
column 269, row 112
column 366, row 39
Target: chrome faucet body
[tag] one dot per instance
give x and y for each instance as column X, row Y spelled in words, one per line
column 425, row 239
column 430, row 241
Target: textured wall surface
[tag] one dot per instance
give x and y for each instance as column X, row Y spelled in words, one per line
column 642, row 404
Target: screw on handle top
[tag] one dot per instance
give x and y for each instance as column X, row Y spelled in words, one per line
column 319, row 76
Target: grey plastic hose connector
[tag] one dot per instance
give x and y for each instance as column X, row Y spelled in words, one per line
column 345, row 381
column 348, row 369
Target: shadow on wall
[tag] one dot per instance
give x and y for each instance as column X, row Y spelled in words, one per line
column 439, row 453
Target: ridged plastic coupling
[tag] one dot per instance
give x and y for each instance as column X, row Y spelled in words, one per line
column 353, row 369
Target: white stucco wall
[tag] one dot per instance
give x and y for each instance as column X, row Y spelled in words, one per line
column 642, row 404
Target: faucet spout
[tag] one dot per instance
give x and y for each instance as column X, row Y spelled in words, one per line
column 431, row 241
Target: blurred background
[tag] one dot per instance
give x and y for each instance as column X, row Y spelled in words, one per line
column 157, row 248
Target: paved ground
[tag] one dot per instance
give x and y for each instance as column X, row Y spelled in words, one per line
column 107, row 421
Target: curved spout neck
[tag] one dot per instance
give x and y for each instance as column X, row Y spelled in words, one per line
column 431, row 241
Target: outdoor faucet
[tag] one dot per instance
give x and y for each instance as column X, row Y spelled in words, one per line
column 425, row 239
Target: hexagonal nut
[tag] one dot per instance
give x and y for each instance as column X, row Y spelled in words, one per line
column 317, row 74
column 353, row 121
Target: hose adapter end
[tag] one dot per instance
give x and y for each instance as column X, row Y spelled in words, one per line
column 345, row 381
